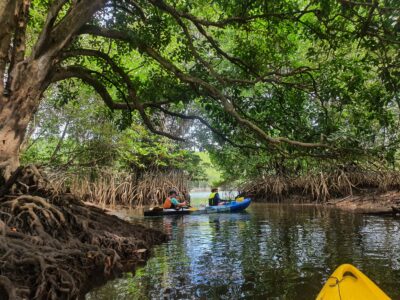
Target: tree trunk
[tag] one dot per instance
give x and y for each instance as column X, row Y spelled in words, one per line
column 60, row 141
column 23, row 80
column 17, row 110
column 9, row 150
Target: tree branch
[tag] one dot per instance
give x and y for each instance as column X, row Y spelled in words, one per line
column 234, row 60
column 139, row 9
column 194, row 51
column 86, row 76
column 19, row 39
column 7, row 25
column 61, row 35
column 151, row 127
column 198, row 23
column 48, row 25
column 95, row 53
column 104, row 32
column 226, row 103
column 208, row 125
column 212, row 91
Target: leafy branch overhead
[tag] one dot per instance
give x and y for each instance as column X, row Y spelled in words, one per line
column 287, row 75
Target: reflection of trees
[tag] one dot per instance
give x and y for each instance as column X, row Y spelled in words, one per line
column 282, row 253
column 274, row 251
column 299, row 246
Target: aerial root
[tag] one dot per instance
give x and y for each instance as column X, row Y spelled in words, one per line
column 50, row 244
column 3, row 228
column 34, row 214
column 8, row 287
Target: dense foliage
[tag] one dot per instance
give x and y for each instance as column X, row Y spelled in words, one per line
column 334, row 84
column 73, row 132
column 278, row 85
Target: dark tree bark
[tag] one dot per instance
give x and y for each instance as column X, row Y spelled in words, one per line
column 23, row 80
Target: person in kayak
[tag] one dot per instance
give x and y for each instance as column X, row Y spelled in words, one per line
column 186, row 196
column 172, row 201
column 214, row 199
column 240, row 197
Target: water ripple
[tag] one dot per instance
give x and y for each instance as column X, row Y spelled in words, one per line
column 273, row 251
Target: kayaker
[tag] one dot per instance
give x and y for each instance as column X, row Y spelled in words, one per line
column 214, row 199
column 172, row 201
column 240, row 197
column 186, row 196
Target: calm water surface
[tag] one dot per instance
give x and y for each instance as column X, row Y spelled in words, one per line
column 269, row 252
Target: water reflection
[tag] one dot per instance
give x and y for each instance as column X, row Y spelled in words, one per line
column 271, row 252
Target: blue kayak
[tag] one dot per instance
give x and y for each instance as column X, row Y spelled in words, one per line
column 231, row 207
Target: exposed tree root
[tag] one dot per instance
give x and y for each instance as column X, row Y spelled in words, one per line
column 51, row 244
column 322, row 186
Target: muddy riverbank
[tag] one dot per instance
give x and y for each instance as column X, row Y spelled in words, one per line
column 373, row 202
column 53, row 246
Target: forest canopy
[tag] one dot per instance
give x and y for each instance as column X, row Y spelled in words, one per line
column 280, row 79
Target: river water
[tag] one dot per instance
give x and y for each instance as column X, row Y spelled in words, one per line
column 268, row 252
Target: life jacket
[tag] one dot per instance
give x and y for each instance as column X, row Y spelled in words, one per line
column 167, row 203
column 212, row 196
column 239, row 199
column 211, row 199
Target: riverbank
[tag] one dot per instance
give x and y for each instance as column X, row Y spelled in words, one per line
column 357, row 189
column 369, row 202
column 373, row 202
column 53, row 246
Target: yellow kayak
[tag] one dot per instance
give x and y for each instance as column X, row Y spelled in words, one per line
column 348, row 283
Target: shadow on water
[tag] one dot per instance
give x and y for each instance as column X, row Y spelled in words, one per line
column 271, row 252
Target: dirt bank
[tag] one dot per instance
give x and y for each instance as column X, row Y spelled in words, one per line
column 372, row 202
column 53, row 246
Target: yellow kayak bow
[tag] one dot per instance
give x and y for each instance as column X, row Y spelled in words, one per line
column 349, row 283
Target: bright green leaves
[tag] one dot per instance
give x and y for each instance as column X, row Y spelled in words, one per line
column 73, row 130
column 311, row 71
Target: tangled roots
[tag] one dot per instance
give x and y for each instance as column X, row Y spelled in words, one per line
column 51, row 244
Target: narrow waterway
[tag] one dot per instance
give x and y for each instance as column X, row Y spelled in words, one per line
column 268, row 252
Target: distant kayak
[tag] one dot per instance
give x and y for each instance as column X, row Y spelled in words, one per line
column 232, row 206
column 347, row 282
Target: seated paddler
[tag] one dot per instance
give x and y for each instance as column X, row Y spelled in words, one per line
column 214, row 199
column 172, row 201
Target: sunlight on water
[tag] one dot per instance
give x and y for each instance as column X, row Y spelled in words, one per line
column 270, row 252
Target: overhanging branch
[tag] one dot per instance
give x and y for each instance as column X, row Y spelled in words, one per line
column 226, row 103
column 232, row 20
column 150, row 126
column 86, row 76
column 61, row 35
column 48, row 25
column 208, row 125
column 95, row 53
column 104, row 32
column 211, row 90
